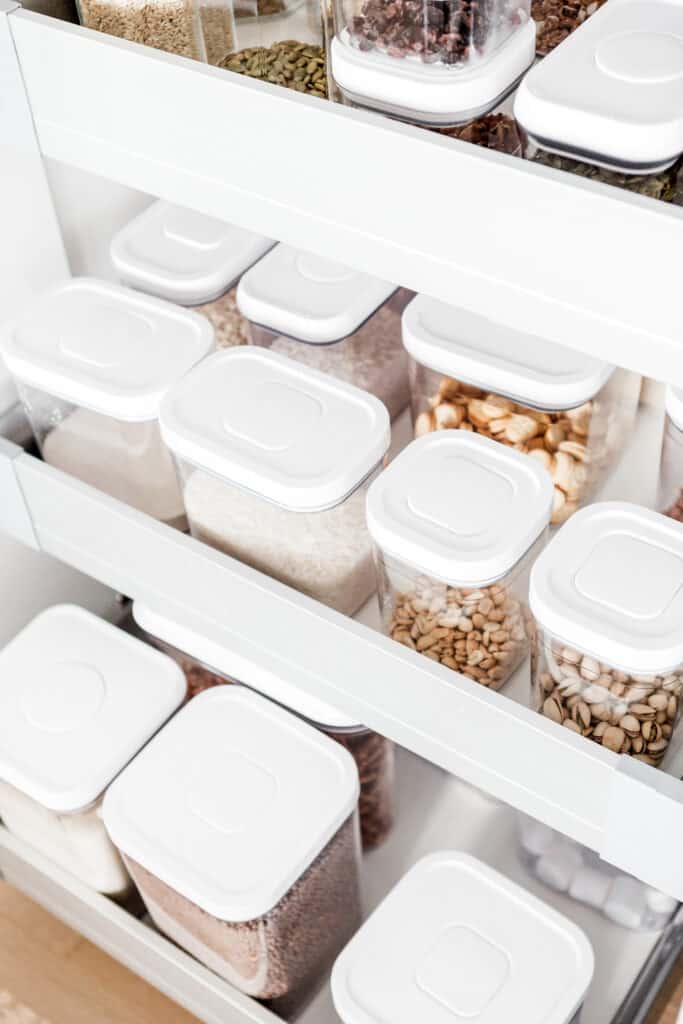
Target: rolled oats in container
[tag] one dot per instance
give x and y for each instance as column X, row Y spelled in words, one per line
column 191, row 259
column 238, row 823
column 570, row 412
column 457, row 521
column 455, row 940
column 274, row 460
column 607, row 597
column 207, row 664
column 329, row 317
column 670, row 492
column 79, row 698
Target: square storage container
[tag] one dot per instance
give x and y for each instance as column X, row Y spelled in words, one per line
column 455, row 940
column 670, row 492
column 191, row 259
column 568, row 867
column 571, row 412
column 238, row 823
column 92, row 362
column 331, row 318
column 607, row 596
column 207, row 664
column 457, row 521
column 78, row 700
column 274, row 460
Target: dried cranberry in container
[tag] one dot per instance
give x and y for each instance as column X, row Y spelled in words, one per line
column 331, row 318
column 191, row 259
column 435, row 62
column 570, row 411
column 457, row 521
column 670, row 494
column 79, row 698
column 207, row 663
column 92, row 362
column 239, row 825
column 455, row 940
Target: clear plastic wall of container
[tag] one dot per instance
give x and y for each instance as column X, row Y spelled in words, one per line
column 246, row 853
column 191, row 259
column 670, row 492
column 569, row 411
column 454, row 593
column 91, row 361
column 566, row 866
column 608, row 652
column 13, row 422
column 79, row 699
column 274, row 460
column 331, row 318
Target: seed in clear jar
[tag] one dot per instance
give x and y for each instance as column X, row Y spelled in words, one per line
column 554, row 436
column 521, row 428
column 552, row 709
column 424, row 424
column 614, row 738
column 447, row 416
column 630, row 725
column 590, row 668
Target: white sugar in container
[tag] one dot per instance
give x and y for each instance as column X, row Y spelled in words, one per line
column 79, row 698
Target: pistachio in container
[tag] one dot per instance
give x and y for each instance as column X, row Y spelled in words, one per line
column 455, row 940
column 607, row 598
column 239, row 825
column 92, row 362
column 569, row 411
column 331, row 318
column 275, row 460
column 79, row 698
column 188, row 258
column 457, row 521
column 670, row 491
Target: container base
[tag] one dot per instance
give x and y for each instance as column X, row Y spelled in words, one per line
column 603, row 160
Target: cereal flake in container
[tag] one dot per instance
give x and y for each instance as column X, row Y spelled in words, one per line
column 79, row 699
column 239, row 825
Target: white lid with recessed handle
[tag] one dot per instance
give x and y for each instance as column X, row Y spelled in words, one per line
column 309, row 297
column 78, row 700
column 105, row 347
column 183, row 255
column 457, row 941
column 232, row 802
column 459, row 507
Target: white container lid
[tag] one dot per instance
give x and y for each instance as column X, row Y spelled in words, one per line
column 184, row 256
column 232, row 802
column 78, row 700
column 105, row 347
column 228, row 663
column 307, row 297
column 531, row 370
column 291, row 434
column 674, row 406
column 612, row 93
column 459, row 507
column 454, row 941
column 610, row 583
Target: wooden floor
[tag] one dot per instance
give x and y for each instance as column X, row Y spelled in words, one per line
column 50, row 975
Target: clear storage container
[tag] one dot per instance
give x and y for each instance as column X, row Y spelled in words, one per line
column 435, row 62
column 607, row 596
column 13, row 423
column 207, row 664
column 92, row 362
column 78, row 700
column 239, row 825
column 569, row 411
column 455, row 940
column 566, row 866
column 274, row 460
column 331, row 318
column 670, row 495
column 457, row 521
column 191, row 259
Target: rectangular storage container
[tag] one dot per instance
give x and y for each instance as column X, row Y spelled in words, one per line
column 571, row 412
column 274, row 460
column 670, row 490
column 207, row 664
column 92, row 362
column 190, row 259
column 455, row 940
column 239, row 825
column 607, row 596
column 78, row 700
column 457, row 521
column 331, row 318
